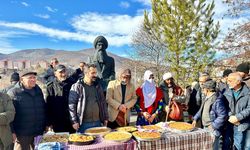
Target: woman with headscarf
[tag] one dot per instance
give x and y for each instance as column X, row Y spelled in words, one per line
column 149, row 103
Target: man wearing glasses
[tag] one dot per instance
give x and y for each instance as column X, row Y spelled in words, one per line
column 121, row 98
column 30, row 117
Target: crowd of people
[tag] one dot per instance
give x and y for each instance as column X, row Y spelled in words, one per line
column 93, row 97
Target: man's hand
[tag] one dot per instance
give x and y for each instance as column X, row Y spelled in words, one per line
column 13, row 137
column 105, row 123
column 76, row 126
column 166, row 108
column 122, row 108
column 194, row 123
column 233, row 120
column 151, row 118
column 210, row 127
column 146, row 115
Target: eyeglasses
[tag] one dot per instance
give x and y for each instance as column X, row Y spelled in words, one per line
column 126, row 77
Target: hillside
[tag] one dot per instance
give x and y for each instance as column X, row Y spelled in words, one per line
column 66, row 57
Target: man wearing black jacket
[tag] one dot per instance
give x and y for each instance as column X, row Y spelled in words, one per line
column 30, row 117
column 57, row 101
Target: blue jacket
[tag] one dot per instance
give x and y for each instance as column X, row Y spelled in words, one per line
column 218, row 112
column 240, row 107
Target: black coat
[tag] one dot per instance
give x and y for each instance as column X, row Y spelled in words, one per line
column 57, row 105
column 30, row 117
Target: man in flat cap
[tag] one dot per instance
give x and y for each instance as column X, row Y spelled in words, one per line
column 105, row 64
column 30, row 117
column 57, row 93
column 213, row 112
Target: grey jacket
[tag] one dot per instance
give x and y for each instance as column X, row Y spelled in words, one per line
column 77, row 102
column 240, row 107
column 7, row 113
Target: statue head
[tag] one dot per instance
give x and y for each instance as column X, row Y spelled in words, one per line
column 100, row 43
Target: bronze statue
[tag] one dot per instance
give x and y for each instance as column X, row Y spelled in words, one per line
column 105, row 64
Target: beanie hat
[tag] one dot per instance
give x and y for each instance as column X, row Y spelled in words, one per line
column 14, row 77
column 226, row 72
column 167, row 75
column 210, row 84
column 243, row 67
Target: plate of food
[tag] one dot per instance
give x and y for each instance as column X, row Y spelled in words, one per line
column 146, row 135
column 152, row 127
column 180, row 127
column 97, row 131
column 118, row 136
column 127, row 129
column 55, row 137
column 81, row 139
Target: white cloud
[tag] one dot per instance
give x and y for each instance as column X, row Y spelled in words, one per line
column 124, row 4
column 144, row 2
column 43, row 16
column 51, row 9
column 25, row 4
column 5, row 42
column 118, row 29
column 106, row 24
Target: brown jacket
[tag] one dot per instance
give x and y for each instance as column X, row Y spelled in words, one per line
column 7, row 114
column 114, row 98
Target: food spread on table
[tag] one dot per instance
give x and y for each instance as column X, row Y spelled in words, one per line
column 182, row 126
column 145, row 135
column 97, row 131
column 151, row 127
column 127, row 129
column 55, row 138
column 118, row 136
column 80, row 138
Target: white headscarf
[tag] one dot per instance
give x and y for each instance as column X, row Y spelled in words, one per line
column 148, row 89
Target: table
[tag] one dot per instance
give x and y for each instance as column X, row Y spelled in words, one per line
column 99, row 144
column 200, row 139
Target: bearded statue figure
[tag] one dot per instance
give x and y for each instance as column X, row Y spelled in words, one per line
column 105, row 64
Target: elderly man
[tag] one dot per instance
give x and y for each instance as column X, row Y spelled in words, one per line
column 170, row 90
column 30, row 118
column 213, row 112
column 238, row 96
column 105, row 64
column 7, row 114
column 87, row 104
column 121, row 98
column 57, row 100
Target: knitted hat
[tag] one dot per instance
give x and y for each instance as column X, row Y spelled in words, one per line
column 243, row 67
column 226, row 72
column 14, row 77
column 167, row 75
column 210, row 84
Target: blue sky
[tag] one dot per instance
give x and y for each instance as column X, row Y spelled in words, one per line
column 74, row 24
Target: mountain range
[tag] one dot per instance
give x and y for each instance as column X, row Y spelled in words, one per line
column 66, row 57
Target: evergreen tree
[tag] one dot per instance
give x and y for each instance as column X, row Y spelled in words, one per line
column 188, row 31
